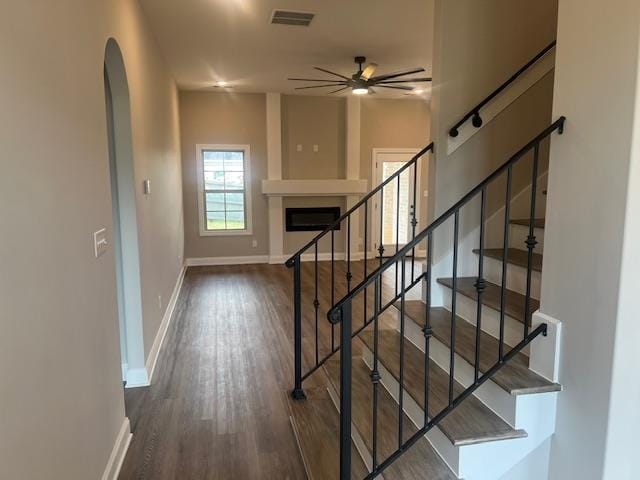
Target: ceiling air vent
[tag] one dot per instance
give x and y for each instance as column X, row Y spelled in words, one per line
column 284, row 17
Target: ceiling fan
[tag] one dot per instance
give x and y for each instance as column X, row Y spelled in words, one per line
column 363, row 80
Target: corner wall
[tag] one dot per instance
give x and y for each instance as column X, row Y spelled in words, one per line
column 60, row 373
column 590, row 266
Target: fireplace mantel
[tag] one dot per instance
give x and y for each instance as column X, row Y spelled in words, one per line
column 313, row 188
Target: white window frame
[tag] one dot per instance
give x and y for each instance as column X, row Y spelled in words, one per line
column 248, row 230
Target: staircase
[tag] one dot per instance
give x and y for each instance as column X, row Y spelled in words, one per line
column 430, row 367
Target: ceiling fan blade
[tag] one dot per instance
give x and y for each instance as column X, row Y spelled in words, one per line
column 330, row 80
column 409, row 89
column 321, row 86
column 408, row 80
column 388, row 76
column 368, row 72
column 332, row 73
column 339, row 90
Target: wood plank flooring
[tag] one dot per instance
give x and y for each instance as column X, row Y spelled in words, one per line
column 217, row 408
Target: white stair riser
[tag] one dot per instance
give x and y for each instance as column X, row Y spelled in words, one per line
column 497, row 399
column 516, row 277
column 466, row 308
column 518, row 236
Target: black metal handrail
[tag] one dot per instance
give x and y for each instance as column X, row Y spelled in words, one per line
column 475, row 111
column 341, row 313
column 410, row 168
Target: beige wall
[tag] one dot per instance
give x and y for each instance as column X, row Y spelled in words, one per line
column 590, row 271
column 222, row 118
column 391, row 123
column 310, row 121
column 60, row 380
column 478, row 45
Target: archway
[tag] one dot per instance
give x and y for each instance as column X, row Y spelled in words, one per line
column 125, row 225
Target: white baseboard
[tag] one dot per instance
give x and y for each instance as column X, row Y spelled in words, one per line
column 137, row 377
column 114, row 464
column 164, row 326
column 209, row 261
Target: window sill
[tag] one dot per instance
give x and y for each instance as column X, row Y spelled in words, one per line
column 225, row 233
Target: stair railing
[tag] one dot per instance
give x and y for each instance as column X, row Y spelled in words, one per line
column 311, row 251
column 342, row 311
column 475, row 115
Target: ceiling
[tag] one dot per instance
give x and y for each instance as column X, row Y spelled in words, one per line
column 205, row 41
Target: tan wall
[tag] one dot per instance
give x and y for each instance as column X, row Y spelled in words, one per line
column 478, row 46
column 60, row 378
column 222, row 118
column 388, row 123
column 310, row 121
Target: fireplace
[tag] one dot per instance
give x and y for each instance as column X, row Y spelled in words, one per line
column 311, row 219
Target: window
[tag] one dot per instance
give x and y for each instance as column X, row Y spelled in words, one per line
column 224, row 196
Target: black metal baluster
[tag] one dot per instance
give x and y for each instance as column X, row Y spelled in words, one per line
column 366, row 223
column 333, row 286
column 316, row 303
column 349, row 276
column 297, row 393
column 414, row 220
column 531, row 239
column 397, row 226
column 427, row 330
column 375, row 374
column 345, row 392
column 452, row 359
column 401, row 379
column 381, row 245
column 505, row 252
column 480, row 285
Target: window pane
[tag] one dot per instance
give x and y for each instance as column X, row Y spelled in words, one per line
column 235, row 202
column 235, row 220
column 215, row 221
column 215, row 202
column 213, row 180
column 213, row 161
column 234, row 163
column 234, row 181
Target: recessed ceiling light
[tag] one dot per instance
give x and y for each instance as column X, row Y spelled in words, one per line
column 222, row 83
column 418, row 91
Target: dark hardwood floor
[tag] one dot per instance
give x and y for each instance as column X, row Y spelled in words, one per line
column 217, row 407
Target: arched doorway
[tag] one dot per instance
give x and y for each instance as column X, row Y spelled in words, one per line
column 125, row 225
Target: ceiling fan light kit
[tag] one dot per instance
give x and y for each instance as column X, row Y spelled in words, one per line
column 363, row 81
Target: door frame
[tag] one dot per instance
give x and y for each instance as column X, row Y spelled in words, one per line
column 376, row 180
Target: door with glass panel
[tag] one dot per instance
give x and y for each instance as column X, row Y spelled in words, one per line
column 393, row 211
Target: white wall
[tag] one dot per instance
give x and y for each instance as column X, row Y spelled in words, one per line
column 61, row 398
column 586, row 247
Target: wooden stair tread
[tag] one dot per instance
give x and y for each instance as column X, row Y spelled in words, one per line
column 317, row 428
column 514, row 301
column 514, row 377
column 515, row 257
column 469, row 423
column 421, row 460
column 537, row 223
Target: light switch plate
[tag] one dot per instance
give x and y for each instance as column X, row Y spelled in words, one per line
column 146, row 186
column 100, row 243
column 316, row 148
column 299, row 148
